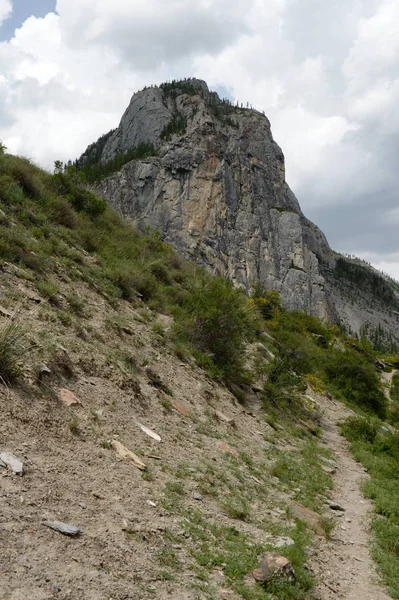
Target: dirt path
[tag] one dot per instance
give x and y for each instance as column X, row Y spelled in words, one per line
column 343, row 564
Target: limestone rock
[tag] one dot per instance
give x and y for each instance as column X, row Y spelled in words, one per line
column 9, row 460
column 63, row 528
column 273, row 566
column 69, row 397
column 216, row 191
column 311, row 518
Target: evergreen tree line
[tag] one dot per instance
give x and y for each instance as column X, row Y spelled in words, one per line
column 95, row 171
column 367, row 280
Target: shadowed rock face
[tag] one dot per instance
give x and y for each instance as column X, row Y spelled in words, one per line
column 217, row 192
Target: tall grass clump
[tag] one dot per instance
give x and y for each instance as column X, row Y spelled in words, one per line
column 13, row 346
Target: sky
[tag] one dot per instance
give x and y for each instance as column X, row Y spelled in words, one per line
column 325, row 73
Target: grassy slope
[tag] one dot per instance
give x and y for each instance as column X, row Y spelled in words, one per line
column 56, row 233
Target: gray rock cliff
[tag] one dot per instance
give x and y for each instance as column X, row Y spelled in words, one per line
column 216, row 191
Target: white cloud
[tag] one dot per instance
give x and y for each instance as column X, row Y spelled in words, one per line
column 5, row 10
column 331, row 93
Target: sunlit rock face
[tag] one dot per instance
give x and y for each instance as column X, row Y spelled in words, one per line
column 216, row 191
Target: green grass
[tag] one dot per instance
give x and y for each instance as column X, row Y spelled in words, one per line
column 61, row 229
column 237, row 555
column 302, row 470
column 377, row 449
column 14, row 345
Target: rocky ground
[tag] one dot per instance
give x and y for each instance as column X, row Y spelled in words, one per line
column 107, row 375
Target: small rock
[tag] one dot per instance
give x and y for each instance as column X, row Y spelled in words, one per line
column 151, row 503
column 198, row 496
column 329, row 462
column 227, row 448
column 9, row 460
column 312, row 519
column 149, row 432
column 82, row 505
column 222, row 417
column 123, row 452
column 43, row 371
column 334, row 506
column 283, row 542
column 127, row 329
column 177, row 405
column 69, row 397
column 63, row 528
column 5, row 312
column 329, row 470
column 273, row 566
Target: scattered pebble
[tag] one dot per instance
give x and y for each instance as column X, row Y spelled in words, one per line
column 9, row 460
column 63, row 528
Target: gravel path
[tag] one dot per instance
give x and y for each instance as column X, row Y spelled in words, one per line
column 343, row 564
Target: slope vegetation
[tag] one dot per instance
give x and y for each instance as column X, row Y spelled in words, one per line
column 108, row 337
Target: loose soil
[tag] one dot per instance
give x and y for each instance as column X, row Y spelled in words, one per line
column 343, row 564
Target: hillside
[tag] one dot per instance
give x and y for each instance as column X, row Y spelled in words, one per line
column 107, row 336
column 210, row 178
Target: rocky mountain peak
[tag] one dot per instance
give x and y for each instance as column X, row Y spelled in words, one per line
column 210, row 177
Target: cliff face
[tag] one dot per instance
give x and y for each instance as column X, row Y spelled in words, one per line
column 217, row 192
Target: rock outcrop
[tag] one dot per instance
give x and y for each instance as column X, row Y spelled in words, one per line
column 216, row 191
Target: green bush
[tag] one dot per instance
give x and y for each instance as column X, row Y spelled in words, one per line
column 218, row 320
column 28, row 176
column 358, row 428
column 72, row 186
column 351, row 374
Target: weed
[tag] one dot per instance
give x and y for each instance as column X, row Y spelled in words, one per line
column 174, row 487
column 106, row 444
column 236, row 508
column 147, row 475
column 76, row 304
column 327, row 525
column 166, row 403
column 166, row 576
column 74, row 426
column 47, row 289
column 14, row 344
column 167, row 557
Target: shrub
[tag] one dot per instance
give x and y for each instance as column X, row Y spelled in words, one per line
column 71, row 185
column 358, row 428
column 48, row 289
column 267, row 302
column 218, row 321
column 11, row 193
column 27, row 176
column 135, row 282
column 351, row 374
column 62, row 213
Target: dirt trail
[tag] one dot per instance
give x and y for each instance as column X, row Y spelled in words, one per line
column 343, row 564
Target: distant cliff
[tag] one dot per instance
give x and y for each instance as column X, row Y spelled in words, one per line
column 211, row 178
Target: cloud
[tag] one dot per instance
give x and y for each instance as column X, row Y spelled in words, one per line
column 145, row 34
column 331, row 93
column 5, row 10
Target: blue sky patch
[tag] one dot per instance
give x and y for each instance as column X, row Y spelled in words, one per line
column 22, row 9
